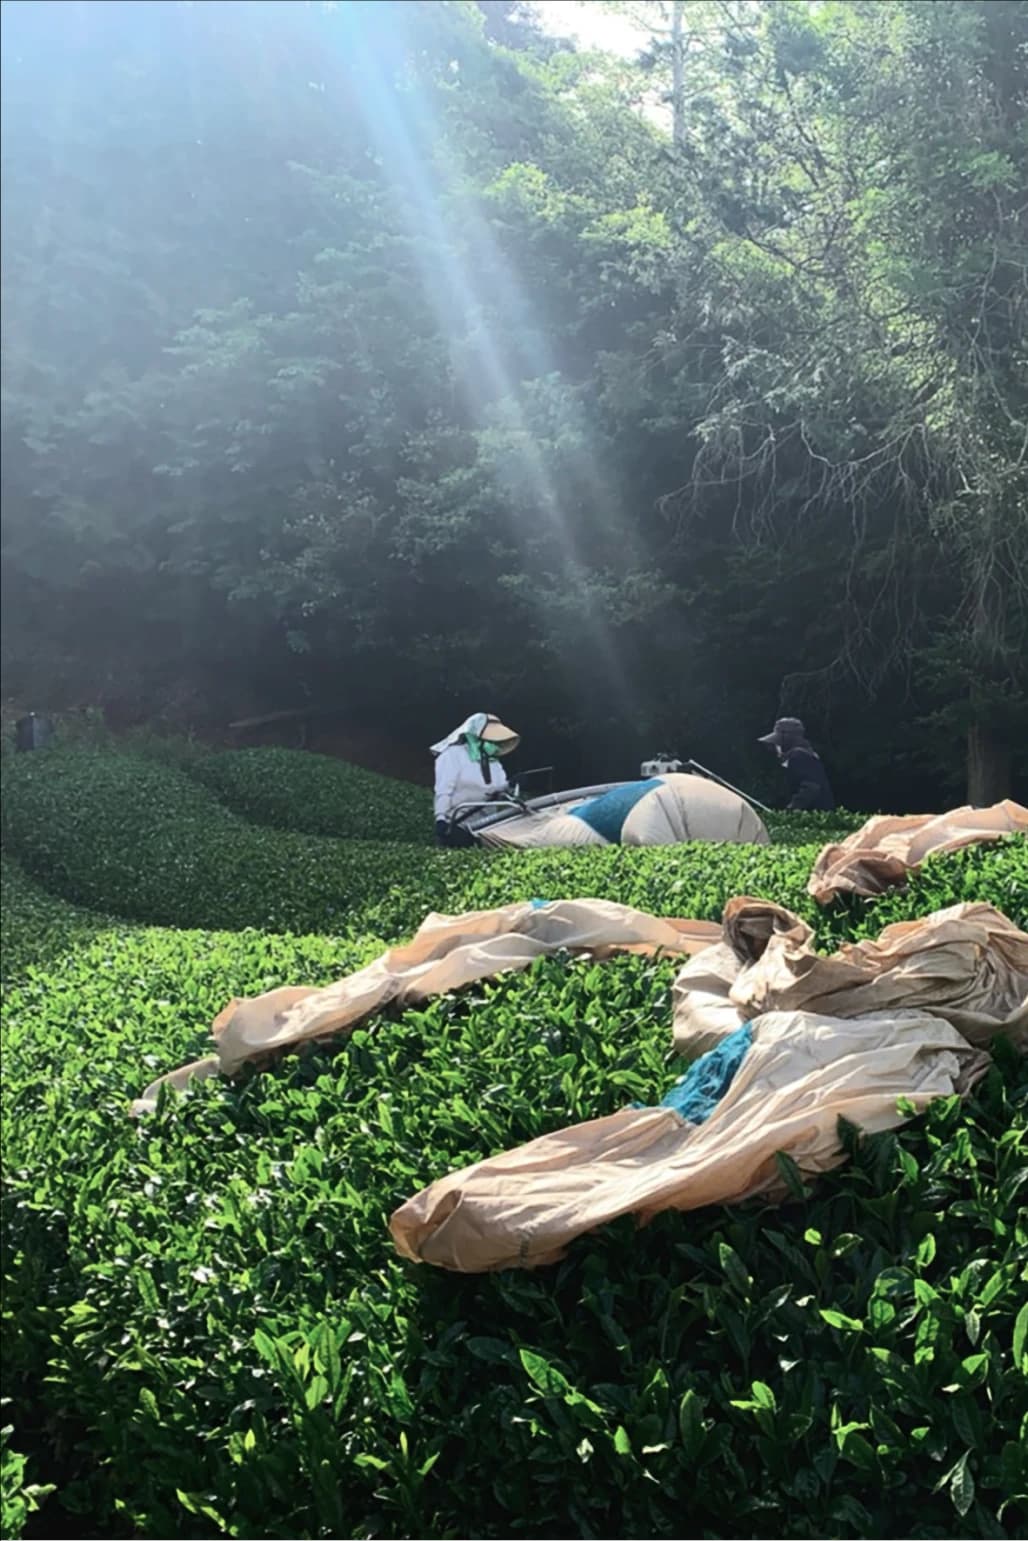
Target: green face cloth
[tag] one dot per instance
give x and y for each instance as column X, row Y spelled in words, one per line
column 481, row 749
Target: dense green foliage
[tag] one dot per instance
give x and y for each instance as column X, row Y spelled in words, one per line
column 206, row 1330
column 136, row 838
column 395, row 356
column 37, row 925
column 146, row 841
column 18, row 1497
column 316, row 795
column 221, row 1316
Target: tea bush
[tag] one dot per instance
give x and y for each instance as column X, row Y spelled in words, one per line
column 787, row 828
column 698, row 880
column 37, row 926
column 86, row 728
column 314, row 794
column 18, row 1497
column 144, row 841
column 206, row 1330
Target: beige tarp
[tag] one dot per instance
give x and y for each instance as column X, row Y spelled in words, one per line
column 679, row 808
column 531, row 831
column 692, row 808
column 446, row 953
column 881, row 854
column 967, row 964
column 970, row 967
column 804, row 1070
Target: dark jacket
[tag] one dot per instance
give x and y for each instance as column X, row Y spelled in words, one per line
column 809, row 787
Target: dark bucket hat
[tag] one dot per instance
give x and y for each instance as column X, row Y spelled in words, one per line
column 786, row 731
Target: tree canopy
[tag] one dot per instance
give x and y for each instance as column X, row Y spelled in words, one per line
column 406, row 357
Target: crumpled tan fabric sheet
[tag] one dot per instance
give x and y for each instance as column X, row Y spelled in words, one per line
column 679, row 808
column 801, row 1074
column 880, row 855
column 445, row 954
column 532, row 831
column 691, row 808
column 805, row 1069
column 967, row 964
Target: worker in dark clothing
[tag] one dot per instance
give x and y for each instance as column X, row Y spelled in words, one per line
column 809, row 787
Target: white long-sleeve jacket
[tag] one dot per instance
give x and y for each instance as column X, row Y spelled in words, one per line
column 459, row 780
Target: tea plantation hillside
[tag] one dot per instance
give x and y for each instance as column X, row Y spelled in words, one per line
column 130, row 836
column 317, row 795
column 207, row 1332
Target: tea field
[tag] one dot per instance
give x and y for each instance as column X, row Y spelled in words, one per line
column 206, row 1330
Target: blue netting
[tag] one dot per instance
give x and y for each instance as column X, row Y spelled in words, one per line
column 606, row 814
column 700, row 1090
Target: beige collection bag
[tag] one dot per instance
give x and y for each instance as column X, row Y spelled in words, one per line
column 846, row 1036
column 446, row 953
column 882, row 853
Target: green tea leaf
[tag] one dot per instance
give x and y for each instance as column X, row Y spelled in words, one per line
column 961, row 1487
column 842, row 1322
column 733, row 1269
column 491, row 1350
column 926, row 1251
column 690, row 1424
column 543, row 1374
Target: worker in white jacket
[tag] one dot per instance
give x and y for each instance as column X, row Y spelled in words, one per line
column 468, row 770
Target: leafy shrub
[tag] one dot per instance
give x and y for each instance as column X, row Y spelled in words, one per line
column 698, row 880
column 206, row 1316
column 145, row 841
column 206, row 1329
column 141, row 840
column 37, row 927
column 812, row 828
column 18, row 1498
column 86, row 729
column 314, row 794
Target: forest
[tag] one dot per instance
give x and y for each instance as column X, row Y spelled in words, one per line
column 614, row 381
column 406, row 358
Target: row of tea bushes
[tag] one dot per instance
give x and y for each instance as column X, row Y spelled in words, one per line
column 314, row 794
column 207, row 1331
column 134, row 838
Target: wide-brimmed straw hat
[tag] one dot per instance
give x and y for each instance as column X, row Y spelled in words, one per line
column 495, row 732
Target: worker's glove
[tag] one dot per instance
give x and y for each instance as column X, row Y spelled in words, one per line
column 442, row 830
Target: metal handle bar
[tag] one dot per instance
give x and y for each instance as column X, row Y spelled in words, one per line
column 713, row 776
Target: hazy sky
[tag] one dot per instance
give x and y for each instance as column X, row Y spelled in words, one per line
column 590, row 24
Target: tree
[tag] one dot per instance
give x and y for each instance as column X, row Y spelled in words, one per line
column 864, row 260
column 399, row 353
